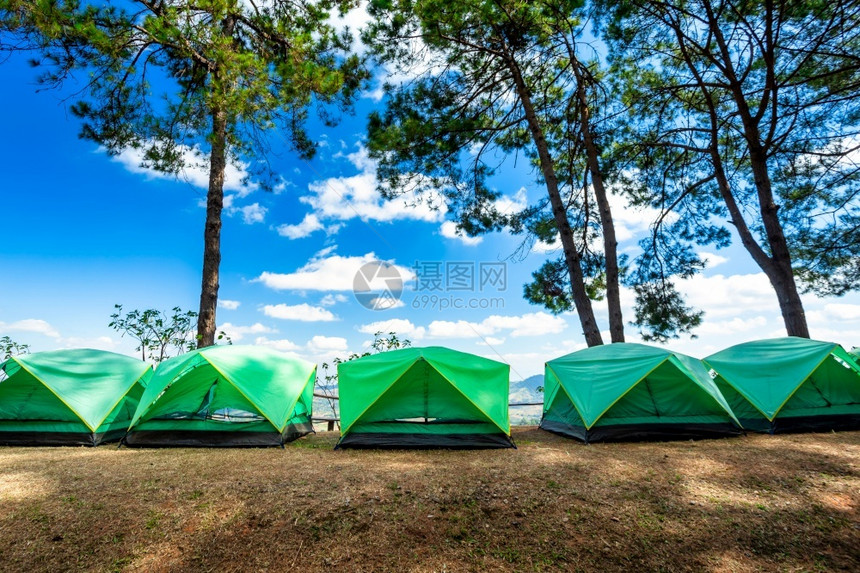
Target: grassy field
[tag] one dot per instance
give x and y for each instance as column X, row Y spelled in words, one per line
column 760, row 503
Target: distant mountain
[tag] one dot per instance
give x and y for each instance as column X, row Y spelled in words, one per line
column 527, row 390
column 523, row 391
column 532, row 382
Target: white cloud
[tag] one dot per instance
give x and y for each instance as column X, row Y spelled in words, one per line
column 385, row 303
column 339, row 199
column 283, row 344
column 631, row 222
column 458, row 329
column 35, row 325
column 195, row 173
column 324, row 272
column 325, row 344
column 96, row 343
column 508, row 205
column 357, row 197
column 345, row 198
column 283, row 185
column 541, row 247
column 835, row 312
column 531, row 324
column 355, row 19
column 734, row 325
column 421, row 60
column 491, row 341
column 228, row 304
column 743, row 307
column 85, row 340
column 712, row 259
column 333, row 299
column 253, row 213
column 302, row 312
column 237, row 182
column 449, row 231
column 309, row 225
column 237, row 333
column 400, row 326
column 317, row 349
column 729, row 296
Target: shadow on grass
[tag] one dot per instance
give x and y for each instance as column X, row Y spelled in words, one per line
column 788, row 502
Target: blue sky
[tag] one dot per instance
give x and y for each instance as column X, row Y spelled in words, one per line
column 82, row 231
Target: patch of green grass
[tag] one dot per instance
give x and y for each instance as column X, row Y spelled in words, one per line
column 509, row 554
column 36, row 515
column 119, row 564
column 153, row 519
column 538, row 509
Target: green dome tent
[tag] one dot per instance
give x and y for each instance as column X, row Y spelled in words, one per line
column 632, row 392
column 225, row 396
column 69, row 397
column 424, row 397
column 789, row 385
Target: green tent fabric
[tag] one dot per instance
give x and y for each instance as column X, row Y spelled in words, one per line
column 629, row 391
column 226, row 396
column 789, row 385
column 69, row 397
column 424, row 397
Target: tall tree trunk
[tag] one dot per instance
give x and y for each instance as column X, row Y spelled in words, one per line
column 212, row 234
column 206, row 320
column 610, row 243
column 780, row 273
column 777, row 268
column 571, row 254
column 777, row 265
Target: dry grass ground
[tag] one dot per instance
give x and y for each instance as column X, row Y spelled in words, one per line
column 760, row 503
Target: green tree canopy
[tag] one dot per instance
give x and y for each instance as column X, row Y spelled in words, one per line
column 159, row 334
column 487, row 81
column 10, row 348
column 747, row 113
column 208, row 77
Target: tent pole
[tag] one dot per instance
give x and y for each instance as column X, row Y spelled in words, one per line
column 426, row 392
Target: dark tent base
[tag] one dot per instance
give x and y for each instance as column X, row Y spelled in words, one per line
column 58, row 438
column 396, row 441
column 803, row 424
column 214, row 439
column 642, row 432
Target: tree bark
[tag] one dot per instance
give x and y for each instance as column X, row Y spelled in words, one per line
column 780, row 274
column 777, row 269
column 610, row 243
column 206, row 319
column 571, row 254
column 777, row 265
column 212, row 234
